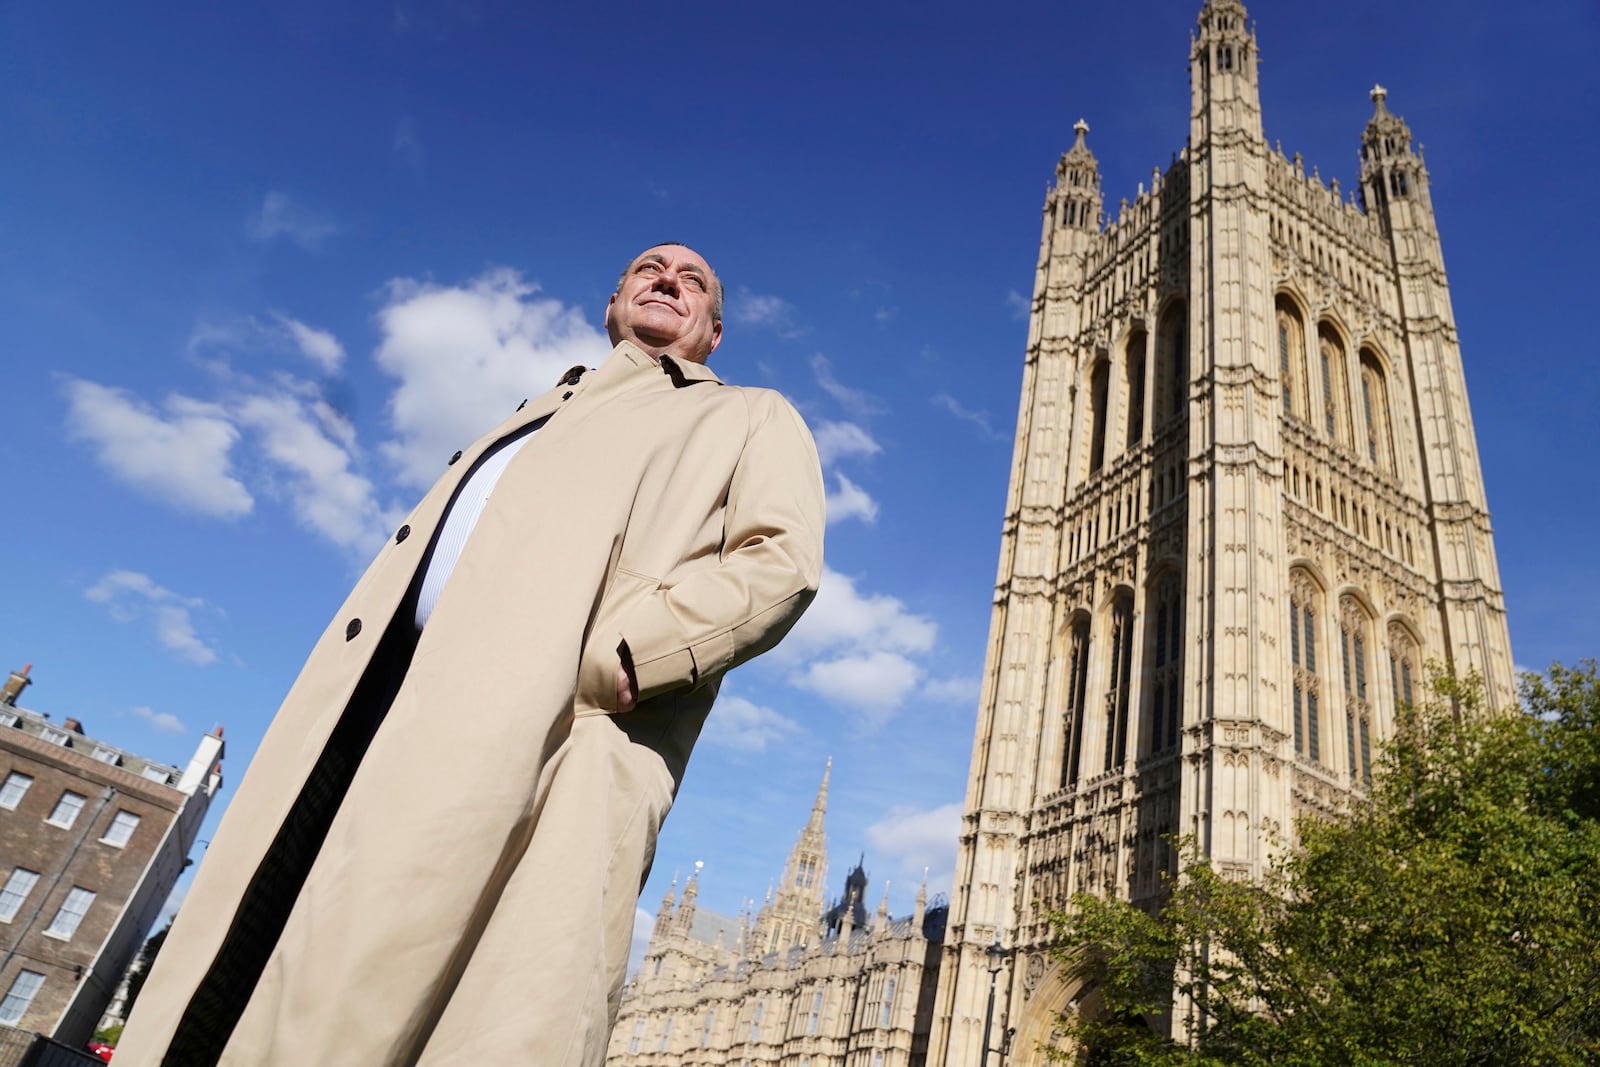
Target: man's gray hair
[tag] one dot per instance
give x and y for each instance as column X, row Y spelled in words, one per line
column 716, row 306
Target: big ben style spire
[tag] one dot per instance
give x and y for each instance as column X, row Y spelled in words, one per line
column 790, row 918
column 1245, row 507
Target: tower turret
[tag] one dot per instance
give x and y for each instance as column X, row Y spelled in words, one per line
column 1077, row 198
column 1224, row 88
column 1394, row 186
column 684, row 919
column 789, row 917
column 664, row 915
column 1393, row 179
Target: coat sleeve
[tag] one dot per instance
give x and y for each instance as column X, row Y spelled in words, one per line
column 771, row 561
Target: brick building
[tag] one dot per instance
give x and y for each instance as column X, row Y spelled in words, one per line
column 92, row 839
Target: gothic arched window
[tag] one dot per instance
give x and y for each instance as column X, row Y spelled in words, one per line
column 1304, row 604
column 1291, row 360
column 1121, row 677
column 1335, row 404
column 1353, row 630
column 1077, row 687
column 1166, row 678
column 1402, row 665
column 1135, row 359
column 1099, row 388
column 1172, row 364
column 1375, row 410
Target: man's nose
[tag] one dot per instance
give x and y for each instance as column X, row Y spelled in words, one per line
column 667, row 280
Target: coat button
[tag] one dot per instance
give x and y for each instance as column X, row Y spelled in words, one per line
column 351, row 630
column 454, row 457
column 523, row 404
column 402, row 533
column 567, row 395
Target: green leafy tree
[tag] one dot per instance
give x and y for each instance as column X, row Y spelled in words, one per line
column 1451, row 918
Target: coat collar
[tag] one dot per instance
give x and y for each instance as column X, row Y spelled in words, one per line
column 684, row 368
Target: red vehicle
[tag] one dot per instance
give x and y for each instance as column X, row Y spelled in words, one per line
column 101, row 1049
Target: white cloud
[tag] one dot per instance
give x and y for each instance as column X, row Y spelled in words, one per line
column 1020, row 305
column 838, row 440
column 280, row 216
column 953, row 690
column 319, row 346
column 181, row 456
column 919, row 839
column 980, row 419
column 853, row 400
column 875, row 682
column 163, row 721
column 842, row 617
column 851, row 502
column 737, row 723
column 764, row 312
column 312, row 448
column 886, row 315
column 858, row 650
column 130, row 596
column 464, row 356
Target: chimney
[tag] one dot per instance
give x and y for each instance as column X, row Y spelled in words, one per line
column 14, row 686
column 74, row 725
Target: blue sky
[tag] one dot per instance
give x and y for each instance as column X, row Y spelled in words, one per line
column 265, row 267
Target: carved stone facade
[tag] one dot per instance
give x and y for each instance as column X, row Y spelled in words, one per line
column 800, row 984
column 1245, row 507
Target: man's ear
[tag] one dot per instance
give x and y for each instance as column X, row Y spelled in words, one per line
column 606, row 319
column 716, row 335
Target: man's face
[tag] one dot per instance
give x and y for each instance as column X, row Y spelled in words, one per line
column 666, row 303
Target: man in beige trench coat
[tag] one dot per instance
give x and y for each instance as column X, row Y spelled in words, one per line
column 435, row 855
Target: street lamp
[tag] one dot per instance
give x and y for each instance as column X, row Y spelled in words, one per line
column 997, row 957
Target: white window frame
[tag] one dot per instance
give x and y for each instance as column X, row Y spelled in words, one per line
column 15, row 894
column 19, row 998
column 121, row 819
column 9, row 718
column 56, row 818
column 18, row 782
column 108, row 755
column 69, row 916
column 157, row 774
column 56, row 736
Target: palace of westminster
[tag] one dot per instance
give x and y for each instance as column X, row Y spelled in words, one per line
column 1245, row 507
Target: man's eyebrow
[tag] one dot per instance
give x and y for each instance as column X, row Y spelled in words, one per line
column 691, row 266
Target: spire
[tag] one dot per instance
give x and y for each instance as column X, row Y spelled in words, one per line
column 921, row 912
column 1391, row 173
column 664, row 915
column 883, row 912
column 1076, row 200
column 669, row 898
column 786, row 919
column 691, row 892
column 819, row 808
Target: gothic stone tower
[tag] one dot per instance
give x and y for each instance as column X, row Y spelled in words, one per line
column 1245, row 508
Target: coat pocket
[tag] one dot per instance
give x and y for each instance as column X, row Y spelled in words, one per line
column 597, row 670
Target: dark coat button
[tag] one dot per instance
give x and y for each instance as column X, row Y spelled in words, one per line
column 567, row 395
column 402, row 533
column 454, row 457
column 523, row 404
column 351, row 630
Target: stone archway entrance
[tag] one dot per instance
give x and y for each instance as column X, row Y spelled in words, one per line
column 1054, row 993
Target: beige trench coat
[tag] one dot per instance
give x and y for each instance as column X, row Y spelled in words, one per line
column 473, row 900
